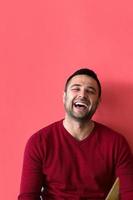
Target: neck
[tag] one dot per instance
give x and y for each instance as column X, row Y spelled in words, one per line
column 78, row 129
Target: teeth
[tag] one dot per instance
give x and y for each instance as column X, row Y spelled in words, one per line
column 81, row 104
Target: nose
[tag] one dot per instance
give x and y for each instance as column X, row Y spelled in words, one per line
column 83, row 93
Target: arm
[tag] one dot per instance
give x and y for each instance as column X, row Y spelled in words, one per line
column 124, row 170
column 32, row 177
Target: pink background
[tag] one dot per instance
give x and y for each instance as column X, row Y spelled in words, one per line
column 41, row 43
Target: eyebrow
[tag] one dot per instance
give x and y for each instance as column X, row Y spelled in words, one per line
column 75, row 85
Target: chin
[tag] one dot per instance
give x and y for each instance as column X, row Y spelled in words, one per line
column 82, row 118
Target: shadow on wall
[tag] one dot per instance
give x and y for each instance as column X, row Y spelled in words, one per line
column 116, row 109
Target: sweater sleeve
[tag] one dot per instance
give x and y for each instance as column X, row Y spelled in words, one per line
column 124, row 170
column 31, row 179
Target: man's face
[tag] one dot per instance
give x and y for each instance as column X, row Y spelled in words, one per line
column 81, row 97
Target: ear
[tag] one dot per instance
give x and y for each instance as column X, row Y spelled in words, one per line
column 99, row 101
column 64, row 96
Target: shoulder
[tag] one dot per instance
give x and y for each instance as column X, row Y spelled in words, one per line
column 110, row 136
column 106, row 131
column 38, row 140
column 44, row 133
column 113, row 142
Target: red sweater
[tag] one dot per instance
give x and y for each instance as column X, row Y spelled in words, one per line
column 75, row 170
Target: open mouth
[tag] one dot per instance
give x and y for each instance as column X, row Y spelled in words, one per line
column 81, row 105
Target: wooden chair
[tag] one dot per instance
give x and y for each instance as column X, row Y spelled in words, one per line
column 114, row 192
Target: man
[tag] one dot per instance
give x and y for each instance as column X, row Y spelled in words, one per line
column 77, row 158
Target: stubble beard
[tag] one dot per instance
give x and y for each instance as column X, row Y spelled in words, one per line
column 83, row 117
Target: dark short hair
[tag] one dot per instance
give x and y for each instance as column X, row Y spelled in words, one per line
column 85, row 71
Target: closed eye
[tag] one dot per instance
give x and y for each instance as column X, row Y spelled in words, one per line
column 75, row 89
column 91, row 91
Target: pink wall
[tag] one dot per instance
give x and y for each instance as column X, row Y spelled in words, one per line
column 41, row 43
